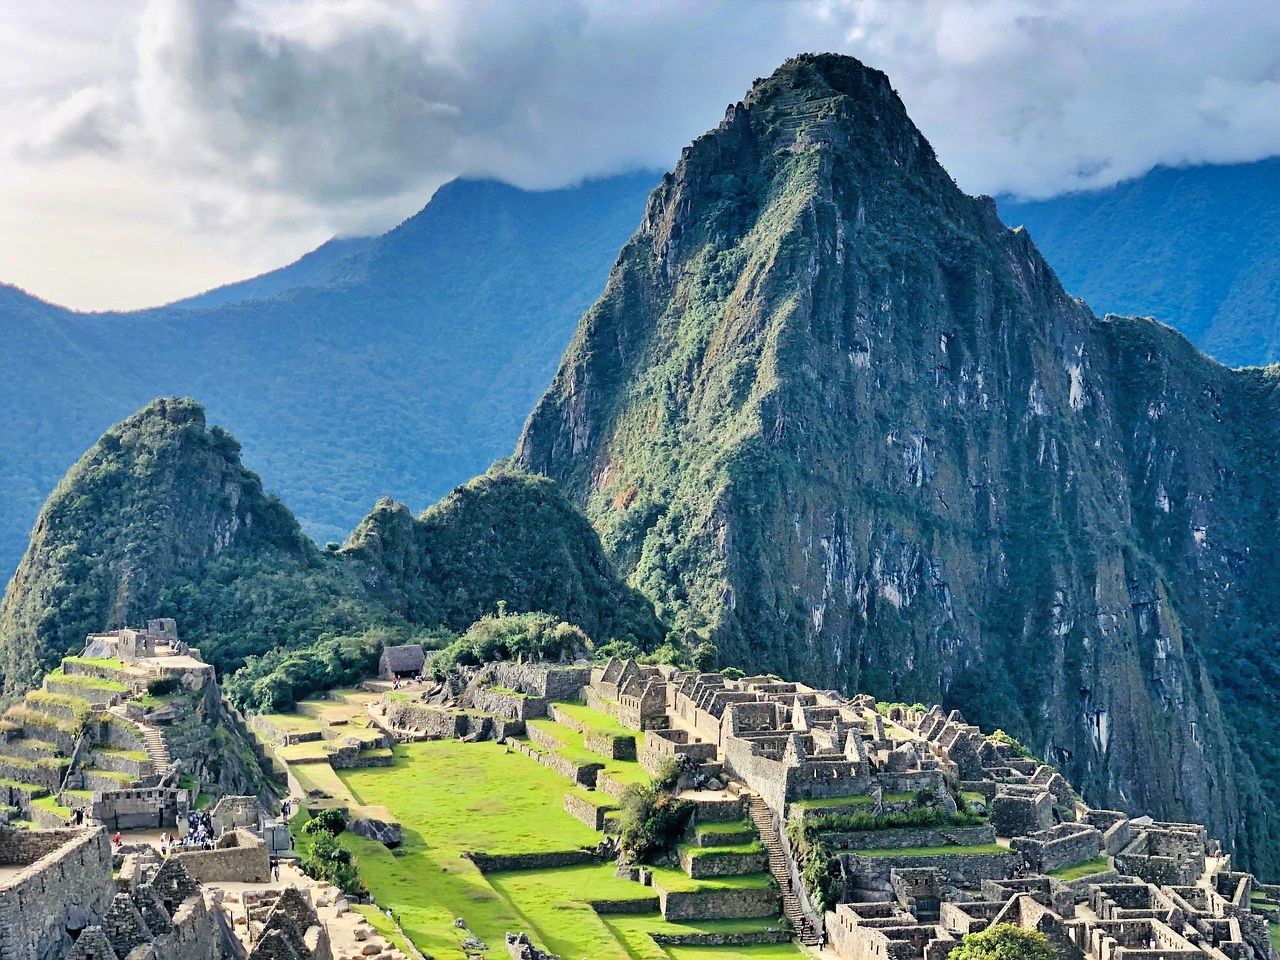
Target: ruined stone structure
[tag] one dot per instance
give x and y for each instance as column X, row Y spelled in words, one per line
column 932, row 829
column 59, row 887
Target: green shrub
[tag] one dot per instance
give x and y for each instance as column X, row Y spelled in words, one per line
column 1004, row 941
column 327, row 860
column 162, row 686
column 331, row 822
column 652, row 821
column 819, row 871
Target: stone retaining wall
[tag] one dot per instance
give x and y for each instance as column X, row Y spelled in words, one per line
column 639, row 905
column 589, row 813
column 493, row 863
column 746, row 938
column 69, row 688
column 720, row 904
column 703, row 865
column 908, row 837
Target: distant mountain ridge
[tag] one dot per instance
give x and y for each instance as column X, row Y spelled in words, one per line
column 1195, row 247
column 398, row 365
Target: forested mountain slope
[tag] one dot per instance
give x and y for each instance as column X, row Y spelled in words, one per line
column 398, row 365
column 832, row 413
column 161, row 518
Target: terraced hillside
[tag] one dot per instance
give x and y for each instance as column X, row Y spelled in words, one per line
column 98, row 725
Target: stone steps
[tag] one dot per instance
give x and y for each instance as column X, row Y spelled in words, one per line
column 153, row 741
column 780, row 868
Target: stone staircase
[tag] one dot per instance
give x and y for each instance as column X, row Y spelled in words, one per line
column 156, row 749
column 780, row 867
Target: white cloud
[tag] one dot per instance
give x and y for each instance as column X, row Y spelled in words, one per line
column 250, row 129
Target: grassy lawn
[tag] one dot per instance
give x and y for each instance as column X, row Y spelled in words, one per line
column 953, row 850
column 574, row 749
column 1078, row 870
column 312, row 751
column 717, row 827
column 673, row 880
column 753, row 846
column 599, row 721
column 1274, row 930
column 451, row 797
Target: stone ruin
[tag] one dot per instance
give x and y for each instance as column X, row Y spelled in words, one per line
column 1150, row 891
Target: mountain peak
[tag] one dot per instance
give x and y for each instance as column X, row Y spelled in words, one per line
column 832, row 413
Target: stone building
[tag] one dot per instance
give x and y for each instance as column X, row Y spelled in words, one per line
column 402, row 662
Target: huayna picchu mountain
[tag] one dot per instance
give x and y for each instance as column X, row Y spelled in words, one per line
column 161, row 517
column 832, row 413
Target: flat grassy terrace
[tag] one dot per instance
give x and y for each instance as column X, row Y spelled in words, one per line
column 1078, row 870
column 451, row 797
column 598, row 720
column 574, row 749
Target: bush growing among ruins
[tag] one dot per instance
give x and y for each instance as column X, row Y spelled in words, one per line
column 162, row 686
column 331, row 821
column 1004, row 941
column 518, row 636
column 1015, row 746
column 327, row 860
column 652, row 821
column 819, row 871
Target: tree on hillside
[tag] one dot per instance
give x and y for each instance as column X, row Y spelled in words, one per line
column 1004, row 941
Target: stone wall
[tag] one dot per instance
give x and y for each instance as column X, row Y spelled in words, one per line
column 510, row 706
column 1060, row 846
column 727, row 904
column 962, row 870
column 237, row 856
column 908, row 837
column 592, row 814
column 140, row 809
column 706, row 864
column 1016, row 815
column 552, row 681
column 529, row 861
column 67, row 887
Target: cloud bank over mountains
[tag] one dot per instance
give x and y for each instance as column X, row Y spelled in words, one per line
column 275, row 124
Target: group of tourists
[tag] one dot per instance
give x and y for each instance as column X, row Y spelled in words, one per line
column 199, row 832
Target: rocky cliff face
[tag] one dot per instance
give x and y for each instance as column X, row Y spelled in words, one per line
column 831, row 412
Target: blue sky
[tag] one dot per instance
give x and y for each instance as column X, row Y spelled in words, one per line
column 153, row 148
